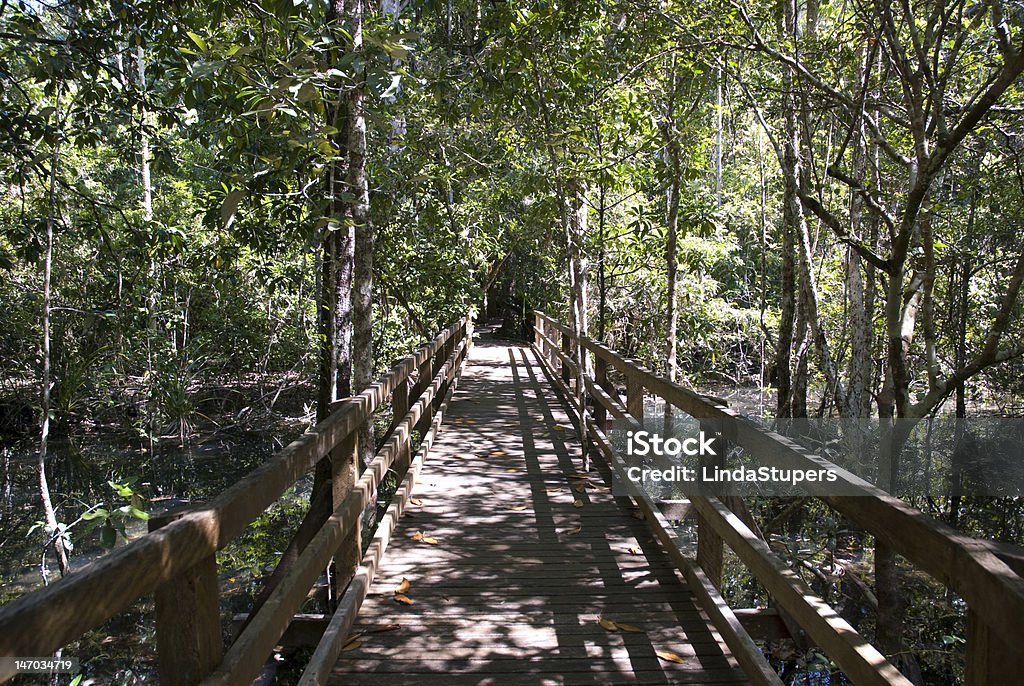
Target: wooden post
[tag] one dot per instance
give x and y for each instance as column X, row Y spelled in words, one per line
column 567, row 351
column 439, row 360
column 635, row 397
column 601, row 379
column 709, row 544
column 425, row 379
column 399, row 404
column 549, row 329
column 189, row 643
column 344, row 472
column 991, row 659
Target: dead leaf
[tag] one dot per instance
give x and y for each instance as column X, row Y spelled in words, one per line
column 498, row 452
column 403, row 587
column 415, row 501
column 518, row 507
column 418, row 536
column 403, row 599
column 577, row 503
column 554, row 489
column 634, row 550
column 613, row 625
column 629, row 628
column 512, row 471
column 381, row 629
column 575, row 531
column 669, row 656
column 353, row 644
column 430, row 539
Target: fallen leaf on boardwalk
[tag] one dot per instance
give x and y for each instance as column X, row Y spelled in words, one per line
column 512, row 471
column 381, row 629
column 354, row 644
column 634, row 550
column 415, row 501
column 403, row 599
column 629, row 628
column 402, row 587
column 575, row 531
column 584, row 477
column 430, row 539
column 418, row 536
column 669, row 656
column 577, row 503
column 612, row 625
column 498, row 452
column 518, row 507
column 554, row 489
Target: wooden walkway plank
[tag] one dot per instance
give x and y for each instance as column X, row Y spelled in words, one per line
column 524, row 564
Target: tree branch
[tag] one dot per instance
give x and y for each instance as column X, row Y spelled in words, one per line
column 833, row 222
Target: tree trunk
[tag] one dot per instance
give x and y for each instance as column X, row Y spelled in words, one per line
column 672, row 148
column 362, row 293
column 49, row 513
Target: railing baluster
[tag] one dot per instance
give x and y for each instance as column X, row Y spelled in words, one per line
column 344, row 473
column 990, row 658
column 399, row 403
column 189, row 642
column 635, row 397
column 709, row 544
column 567, row 351
column 424, row 380
column 601, row 379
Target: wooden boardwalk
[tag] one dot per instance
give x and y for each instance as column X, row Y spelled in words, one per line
column 524, row 563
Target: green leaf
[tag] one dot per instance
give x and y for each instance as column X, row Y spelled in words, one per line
column 198, row 40
column 108, row 536
column 123, row 490
column 227, row 210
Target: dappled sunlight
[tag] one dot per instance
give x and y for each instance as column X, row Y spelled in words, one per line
column 509, row 557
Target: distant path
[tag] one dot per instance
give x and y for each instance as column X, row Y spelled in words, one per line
column 513, row 589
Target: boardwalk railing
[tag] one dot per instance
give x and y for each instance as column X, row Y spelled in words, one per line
column 980, row 572
column 177, row 561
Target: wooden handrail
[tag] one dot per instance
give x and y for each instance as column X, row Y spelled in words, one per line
column 969, row 566
column 245, row 658
column 43, row 621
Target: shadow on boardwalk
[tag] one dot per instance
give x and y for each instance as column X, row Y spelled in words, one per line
column 527, row 559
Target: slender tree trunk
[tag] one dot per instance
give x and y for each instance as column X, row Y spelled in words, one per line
column 858, row 368
column 362, row 293
column 674, row 152
column 49, row 513
column 573, row 216
column 578, row 292
column 719, row 106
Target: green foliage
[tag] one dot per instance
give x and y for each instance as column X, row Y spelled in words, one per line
column 110, row 521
